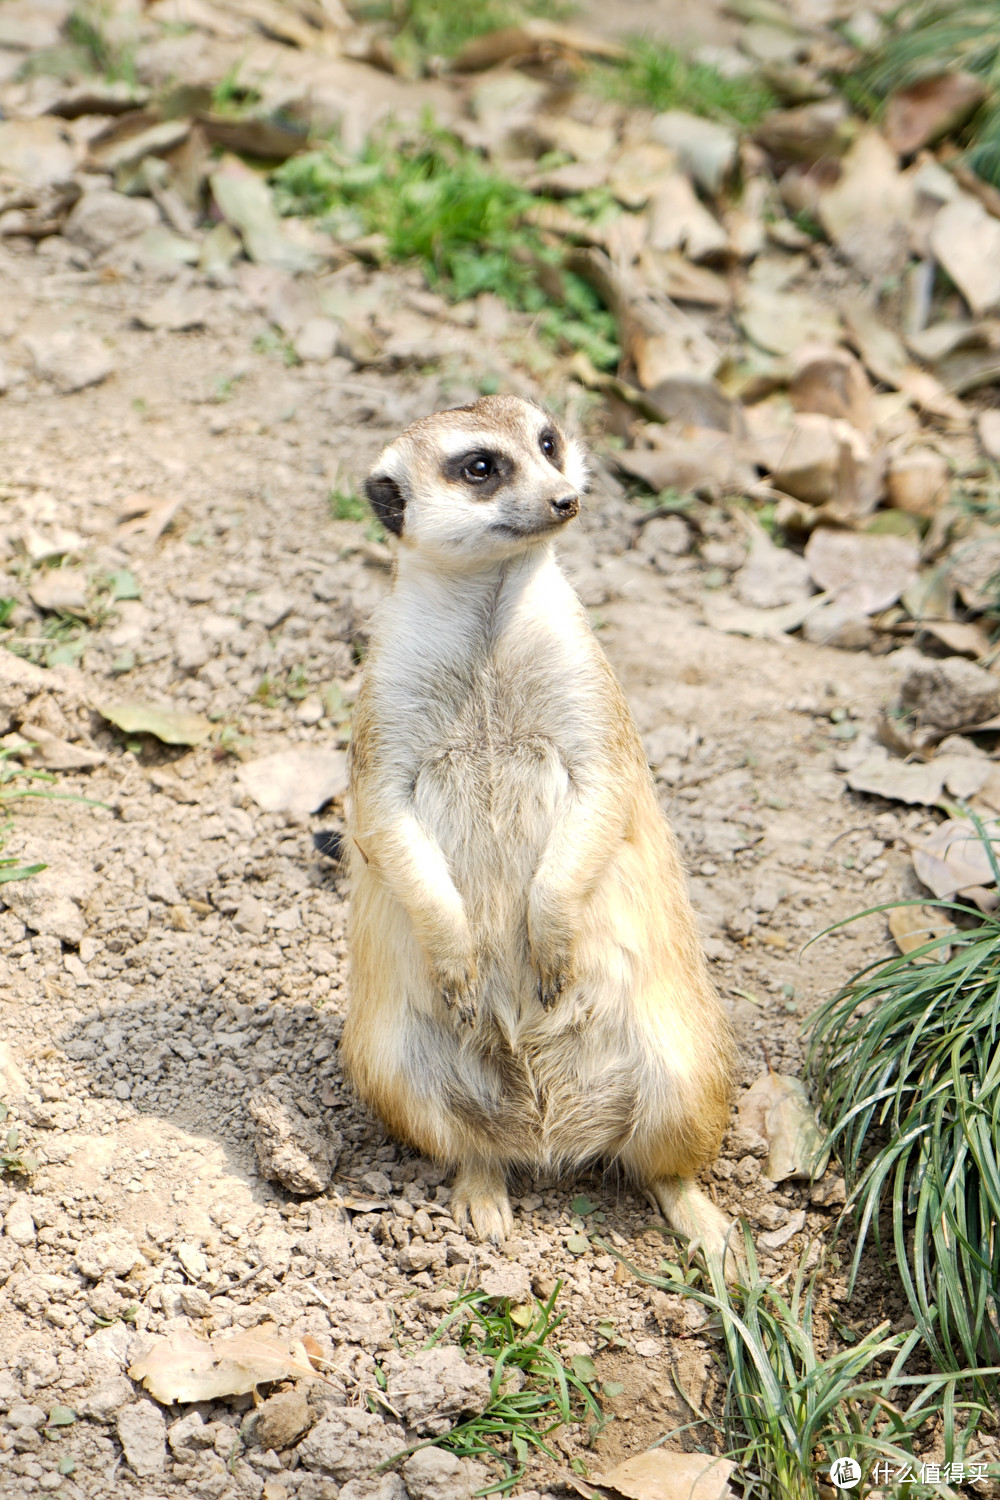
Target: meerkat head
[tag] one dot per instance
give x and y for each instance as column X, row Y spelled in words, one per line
column 478, row 483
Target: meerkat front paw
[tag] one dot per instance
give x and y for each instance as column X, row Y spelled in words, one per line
column 480, row 1197
column 457, row 985
column 553, row 966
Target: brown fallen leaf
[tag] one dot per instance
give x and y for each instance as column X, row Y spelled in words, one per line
column 917, row 481
column 883, row 353
column 776, row 1106
column 956, row 637
column 954, row 861
column 762, row 624
column 966, row 241
column 56, row 753
column 913, row 926
column 63, row 590
column 834, row 384
column 534, row 38
column 660, row 1474
column 146, row 516
column 865, row 570
column 182, row 1367
column 867, row 213
column 781, row 321
column 929, row 109
column 678, row 220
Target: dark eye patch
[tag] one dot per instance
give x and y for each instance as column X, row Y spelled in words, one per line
column 481, row 471
column 551, row 445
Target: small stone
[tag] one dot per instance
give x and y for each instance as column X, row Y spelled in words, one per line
column 270, row 607
column 191, row 650
column 189, row 1434
column 838, row 625
column 18, row 1224
column 771, row 576
column 142, row 1433
column 950, row 693
column 195, row 1302
column 290, row 1148
column 436, row 1474
column 250, row 917
column 103, row 218
column 193, row 1260
column 829, row 1192
column 115, row 1254
column 348, row 1443
column 507, row 1280
column 25, row 1414
column 317, row 340
column 917, row 482
column 70, row 359
column 107, row 1399
column 431, row 1390
column 282, row 1419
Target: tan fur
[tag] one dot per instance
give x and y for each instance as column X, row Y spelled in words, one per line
column 528, row 986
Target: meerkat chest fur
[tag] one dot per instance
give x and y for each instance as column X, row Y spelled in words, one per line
column 488, row 690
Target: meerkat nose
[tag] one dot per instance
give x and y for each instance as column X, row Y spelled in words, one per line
column 567, row 507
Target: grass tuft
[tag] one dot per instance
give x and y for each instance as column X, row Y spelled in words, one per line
column 907, row 1064
column 532, row 1392
column 440, row 28
column 655, row 75
column 930, row 37
column 437, row 204
column 790, row 1412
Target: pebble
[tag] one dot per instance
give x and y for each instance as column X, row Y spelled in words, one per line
column 18, row 1224
column 142, row 1432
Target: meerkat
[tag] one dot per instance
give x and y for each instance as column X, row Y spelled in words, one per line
column 528, row 988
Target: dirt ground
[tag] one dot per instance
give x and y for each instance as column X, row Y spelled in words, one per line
column 203, row 952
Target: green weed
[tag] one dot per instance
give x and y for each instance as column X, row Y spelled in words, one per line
column 927, row 38
column 439, row 205
column 790, row 1412
column 655, row 75
column 440, row 28
column 345, row 505
column 86, row 29
column 12, row 1158
column 533, row 1392
column 906, row 1061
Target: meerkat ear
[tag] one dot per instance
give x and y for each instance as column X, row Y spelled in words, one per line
column 387, row 501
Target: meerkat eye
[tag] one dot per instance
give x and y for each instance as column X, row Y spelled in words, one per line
column 547, row 443
column 478, row 467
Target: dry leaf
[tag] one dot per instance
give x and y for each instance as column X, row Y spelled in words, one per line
column 954, row 861
column 867, row 213
column 899, row 781
column 834, row 384
column 929, row 109
column 966, row 241
column 705, row 149
column 62, row 589
column 295, row 780
column 959, row 638
column 782, row 322
column 678, row 220
column 867, row 571
column 883, row 353
column 913, row 926
column 534, row 38
column 146, row 516
column 764, row 624
column 244, row 200
column 660, row 1474
column 174, row 726
column 777, row 1107
column 182, row 1367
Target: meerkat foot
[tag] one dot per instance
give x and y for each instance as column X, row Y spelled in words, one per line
column 458, row 991
column 480, row 1196
column 692, row 1213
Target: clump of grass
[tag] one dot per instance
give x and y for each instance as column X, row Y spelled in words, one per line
column 345, row 505
column 907, row 1065
column 927, row 38
column 440, row 28
column 12, row 1159
column 532, row 1392
column 654, row 75
column 790, row 1412
column 87, row 30
column 439, row 205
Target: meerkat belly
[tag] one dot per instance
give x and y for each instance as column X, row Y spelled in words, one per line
column 491, row 805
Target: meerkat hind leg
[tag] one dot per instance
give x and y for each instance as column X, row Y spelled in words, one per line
column 480, row 1194
column 692, row 1213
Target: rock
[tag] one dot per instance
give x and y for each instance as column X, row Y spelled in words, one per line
column 106, row 1399
column 810, row 467
column 865, row 571
column 57, row 754
column 433, row 1389
column 283, row 1418
column 18, row 1225
column 297, row 781
column 507, row 1280
column 838, row 625
column 103, row 218
column 189, row 1434
column 704, row 149
column 663, row 538
column 436, row 1474
column 250, row 917
column 38, row 153
column 350, row 1442
column 48, row 903
column 26, row 1414
column 191, row 650
column 829, row 1192
column 270, row 607
column 290, row 1148
column 113, row 1253
column 70, row 359
column 971, row 567
column 917, row 482
column 950, row 693
column 317, row 339
column 142, row 1433
column 771, row 576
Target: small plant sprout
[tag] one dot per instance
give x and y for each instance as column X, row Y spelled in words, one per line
column 12, row 1158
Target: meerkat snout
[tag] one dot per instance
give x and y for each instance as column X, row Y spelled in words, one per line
column 567, row 507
